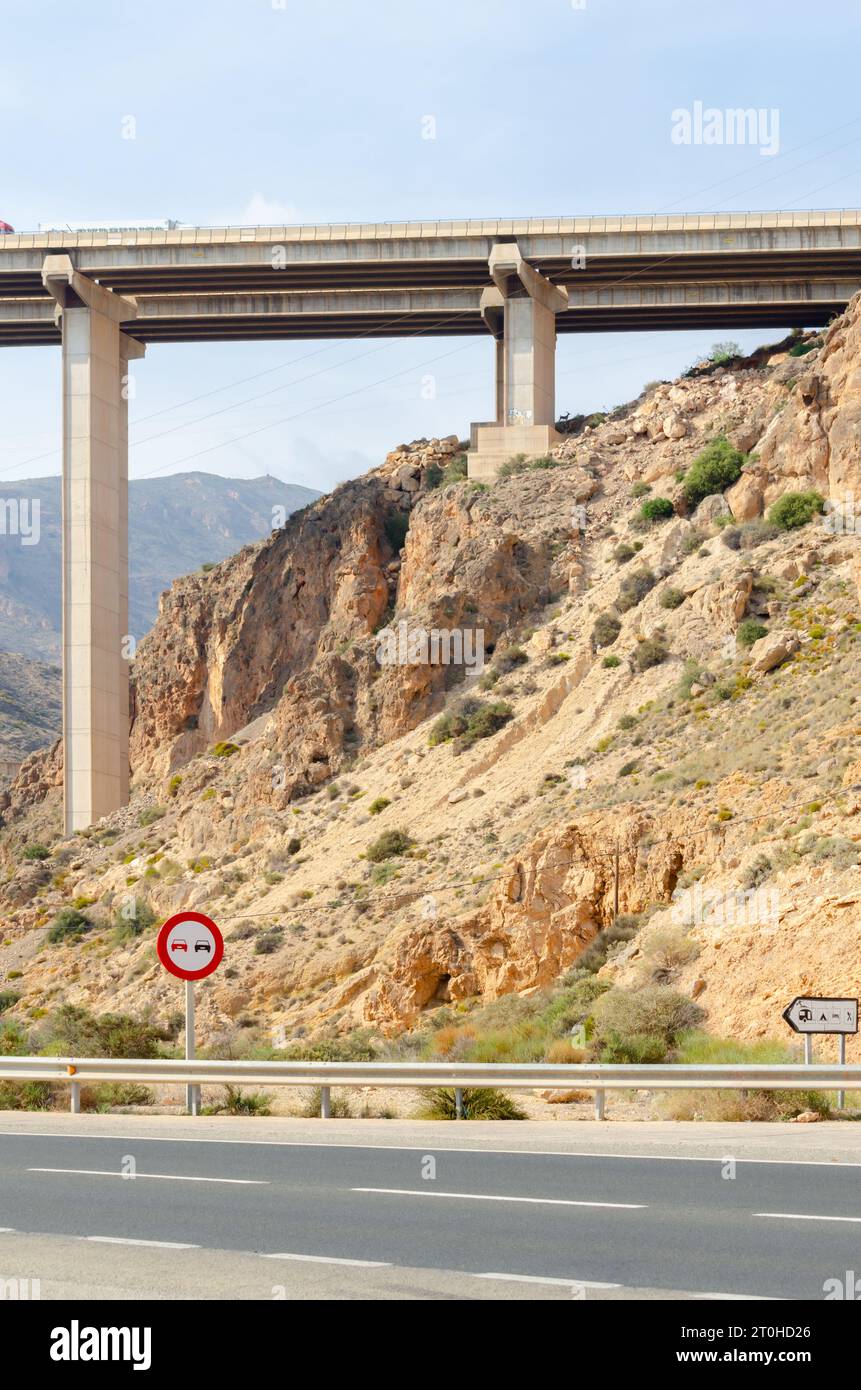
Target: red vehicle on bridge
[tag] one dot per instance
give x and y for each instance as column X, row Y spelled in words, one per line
column 4, row 228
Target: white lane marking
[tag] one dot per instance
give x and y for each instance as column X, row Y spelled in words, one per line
column 162, row 1177
column 488, row 1197
column 130, row 1240
column 737, row 1297
column 422, row 1148
column 546, row 1279
column 385, row 1264
column 7, row 1230
column 330, row 1260
column 802, row 1216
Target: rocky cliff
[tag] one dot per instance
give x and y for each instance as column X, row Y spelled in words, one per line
column 667, row 689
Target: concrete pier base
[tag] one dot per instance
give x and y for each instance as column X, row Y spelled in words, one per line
column 96, row 354
column 519, row 310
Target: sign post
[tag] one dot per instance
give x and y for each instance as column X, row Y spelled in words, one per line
column 192, row 1093
column 815, row 1014
column 190, row 946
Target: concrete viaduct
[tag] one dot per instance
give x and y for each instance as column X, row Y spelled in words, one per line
column 103, row 296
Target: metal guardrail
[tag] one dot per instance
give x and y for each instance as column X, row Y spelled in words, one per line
column 599, row 1078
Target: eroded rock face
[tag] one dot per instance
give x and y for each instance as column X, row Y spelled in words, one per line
column 815, row 441
column 549, row 905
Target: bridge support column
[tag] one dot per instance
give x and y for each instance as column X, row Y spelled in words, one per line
column 96, row 354
column 520, row 311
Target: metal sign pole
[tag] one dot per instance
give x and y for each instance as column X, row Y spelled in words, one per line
column 192, row 1093
column 841, row 1095
column 808, row 1049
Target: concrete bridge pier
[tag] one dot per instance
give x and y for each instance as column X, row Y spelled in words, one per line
column 520, row 311
column 96, row 354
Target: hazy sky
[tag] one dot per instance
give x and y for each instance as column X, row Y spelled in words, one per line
column 314, row 111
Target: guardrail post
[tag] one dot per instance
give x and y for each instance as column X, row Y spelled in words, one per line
column 458, row 1102
column 325, row 1103
column 75, row 1106
column 600, row 1096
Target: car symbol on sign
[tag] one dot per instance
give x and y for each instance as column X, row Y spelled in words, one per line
column 202, row 946
column 179, row 945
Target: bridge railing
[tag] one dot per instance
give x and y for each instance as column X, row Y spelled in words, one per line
column 460, row 1076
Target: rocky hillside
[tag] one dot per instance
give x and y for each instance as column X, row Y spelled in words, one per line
column 29, row 707
column 672, row 640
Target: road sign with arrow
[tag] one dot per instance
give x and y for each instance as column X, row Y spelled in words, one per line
column 821, row 1015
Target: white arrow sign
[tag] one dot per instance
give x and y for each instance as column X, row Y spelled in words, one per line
column 817, row 1015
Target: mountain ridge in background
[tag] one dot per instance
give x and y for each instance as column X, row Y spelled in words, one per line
column 176, row 524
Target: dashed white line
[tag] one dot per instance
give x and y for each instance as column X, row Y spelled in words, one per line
column 130, row 1240
column 803, row 1216
column 335, row 1143
column 330, row 1260
column 492, row 1197
column 161, row 1177
column 546, row 1279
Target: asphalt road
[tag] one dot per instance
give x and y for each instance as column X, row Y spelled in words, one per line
column 236, row 1219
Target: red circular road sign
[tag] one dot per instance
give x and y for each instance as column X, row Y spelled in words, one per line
column 190, row 945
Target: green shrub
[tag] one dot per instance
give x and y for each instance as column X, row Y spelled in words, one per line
column 151, row 814
column 634, row 588
column 633, row 1048
column 605, row 630
column 795, row 509
column 749, row 631
column 358, row 1046
column 479, row 1103
column 396, row 526
column 74, row 1030
column 623, row 553
column 378, row 804
column 26, row 1095
column 757, row 872
column 239, row 1102
column 223, row 749
column 470, row 720
column 36, row 852
column 671, row 598
column 649, row 652
column 113, row 1093
column 388, row 845
column 640, row 489
column 724, row 352
column 133, row 918
column 657, row 509
column 454, row 472
column 666, row 950
column 509, row 659
column 611, row 661
column 68, row 923
column 651, row 1012
column 268, row 942
column 623, row 929
column 713, row 470
column 8, row 999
